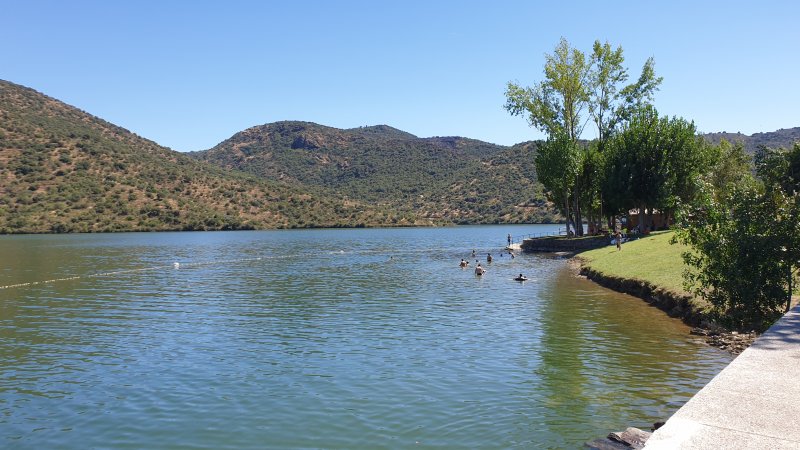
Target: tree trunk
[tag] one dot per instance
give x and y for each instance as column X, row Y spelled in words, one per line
column 566, row 208
column 641, row 219
column 578, row 219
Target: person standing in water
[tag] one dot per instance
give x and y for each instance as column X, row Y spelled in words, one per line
column 488, row 257
column 509, row 239
column 479, row 270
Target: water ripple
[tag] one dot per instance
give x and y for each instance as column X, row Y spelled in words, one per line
column 326, row 339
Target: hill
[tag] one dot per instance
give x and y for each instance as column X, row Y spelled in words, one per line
column 441, row 179
column 783, row 138
column 63, row 170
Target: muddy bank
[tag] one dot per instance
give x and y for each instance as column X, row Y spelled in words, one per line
column 675, row 305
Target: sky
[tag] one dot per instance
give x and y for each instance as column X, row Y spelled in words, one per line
column 190, row 74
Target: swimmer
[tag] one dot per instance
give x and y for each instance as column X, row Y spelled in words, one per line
column 521, row 277
column 479, row 270
column 488, row 257
column 463, row 263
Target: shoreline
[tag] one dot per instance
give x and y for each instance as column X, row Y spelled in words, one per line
column 673, row 304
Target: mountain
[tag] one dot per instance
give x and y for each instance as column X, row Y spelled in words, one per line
column 63, row 170
column 442, row 179
column 783, row 138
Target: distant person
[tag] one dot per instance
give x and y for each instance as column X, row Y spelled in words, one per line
column 488, row 257
column 463, row 263
column 619, row 240
column 479, row 270
column 521, row 277
column 473, row 252
column 509, row 239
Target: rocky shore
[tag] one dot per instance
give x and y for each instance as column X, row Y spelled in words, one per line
column 731, row 341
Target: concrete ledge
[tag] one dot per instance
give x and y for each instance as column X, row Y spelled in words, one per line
column 754, row 403
column 553, row 244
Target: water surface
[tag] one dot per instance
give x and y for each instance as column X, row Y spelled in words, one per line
column 324, row 339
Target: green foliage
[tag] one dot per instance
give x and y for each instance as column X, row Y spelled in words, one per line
column 653, row 163
column 730, row 166
column 558, row 163
column 62, row 170
column 66, row 171
column 746, row 243
column 555, row 104
column 407, row 180
column 573, row 83
column 610, row 103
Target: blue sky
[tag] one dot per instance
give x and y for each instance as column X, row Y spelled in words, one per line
column 191, row 74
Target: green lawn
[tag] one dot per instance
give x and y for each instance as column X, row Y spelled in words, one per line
column 651, row 258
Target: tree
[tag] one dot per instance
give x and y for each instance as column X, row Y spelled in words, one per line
column 779, row 170
column 652, row 163
column 610, row 103
column 572, row 85
column 746, row 243
column 554, row 106
column 557, row 165
column 730, row 166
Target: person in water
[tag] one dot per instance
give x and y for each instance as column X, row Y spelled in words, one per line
column 488, row 257
column 521, row 277
column 479, row 270
column 463, row 263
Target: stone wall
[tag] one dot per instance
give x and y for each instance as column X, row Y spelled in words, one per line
column 553, row 244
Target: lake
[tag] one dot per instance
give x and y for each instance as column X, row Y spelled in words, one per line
column 341, row 339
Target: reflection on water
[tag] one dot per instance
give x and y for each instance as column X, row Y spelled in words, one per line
column 324, row 339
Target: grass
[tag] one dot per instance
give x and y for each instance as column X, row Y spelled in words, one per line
column 652, row 259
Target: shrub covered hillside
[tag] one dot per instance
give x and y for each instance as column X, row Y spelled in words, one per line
column 63, row 170
column 439, row 179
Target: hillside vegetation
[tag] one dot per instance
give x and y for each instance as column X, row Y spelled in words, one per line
column 63, row 170
column 442, row 179
column 783, row 138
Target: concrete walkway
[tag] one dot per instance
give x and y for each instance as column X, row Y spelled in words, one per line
column 754, row 403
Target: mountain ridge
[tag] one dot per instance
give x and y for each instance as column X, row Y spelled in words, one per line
column 64, row 170
column 450, row 178
column 783, row 137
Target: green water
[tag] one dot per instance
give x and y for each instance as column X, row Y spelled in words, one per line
column 324, row 339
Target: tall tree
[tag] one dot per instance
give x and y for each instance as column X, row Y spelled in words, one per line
column 730, row 166
column 557, row 164
column 652, row 163
column 746, row 242
column 574, row 84
column 555, row 106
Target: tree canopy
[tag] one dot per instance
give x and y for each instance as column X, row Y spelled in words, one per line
column 745, row 242
column 575, row 89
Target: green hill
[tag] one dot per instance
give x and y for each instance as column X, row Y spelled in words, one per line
column 63, row 170
column 783, row 138
column 439, row 179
